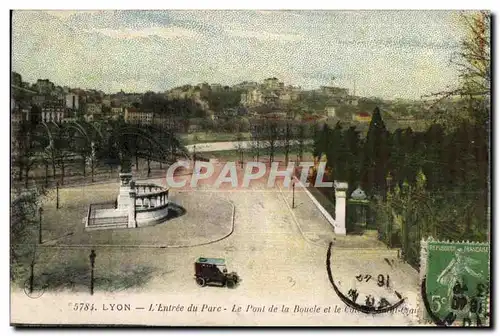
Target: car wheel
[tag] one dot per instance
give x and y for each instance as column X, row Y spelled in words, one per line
column 201, row 282
column 230, row 283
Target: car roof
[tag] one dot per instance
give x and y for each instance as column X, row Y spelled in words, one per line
column 215, row 261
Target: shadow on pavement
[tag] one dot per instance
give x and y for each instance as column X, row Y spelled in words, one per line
column 175, row 210
column 77, row 278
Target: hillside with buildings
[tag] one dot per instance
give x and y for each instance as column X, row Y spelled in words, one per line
column 207, row 107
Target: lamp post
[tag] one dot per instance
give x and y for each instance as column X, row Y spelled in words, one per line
column 40, row 212
column 32, row 275
column 57, row 195
column 92, row 263
column 388, row 180
column 92, row 159
column 46, row 174
column 293, row 195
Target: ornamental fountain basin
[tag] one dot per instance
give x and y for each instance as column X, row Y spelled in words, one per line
column 137, row 205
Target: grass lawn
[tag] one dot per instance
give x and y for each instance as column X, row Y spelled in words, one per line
column 201, row 137
column 279, row 155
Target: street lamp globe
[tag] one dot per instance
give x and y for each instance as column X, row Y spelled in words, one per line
column 388, row 179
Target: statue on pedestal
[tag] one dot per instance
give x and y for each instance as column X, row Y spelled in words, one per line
column 125, row 162
column 126, row 184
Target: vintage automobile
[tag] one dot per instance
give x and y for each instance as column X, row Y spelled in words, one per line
column 214, row 271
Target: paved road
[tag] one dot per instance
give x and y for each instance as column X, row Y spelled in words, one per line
column 277, row 266
column 231, row 145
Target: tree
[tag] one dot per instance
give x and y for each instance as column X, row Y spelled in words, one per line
column 301, row 132
column 473, row 62
column 333, row 147
column 16, row 79
column 81, row 144
column 149, row 154
column 474, row 59
column 321, row 138
column 449, row 158
column 25, row 202
column 133, row 147
column 230, row 125
column 93, row 159
column 409, row 154
column 26, row 149
column 375, row 155
column 433, row 166
column 239, row 146
column 208, row 124
column 256, row 142
column 93, row 134
column 221, row 100
column 46, row 132
column 62, row 149
column 466, row 160
column 243, row 124
column 287, row 137
column 24, row 222
column 271, row 134
column 397, row 157
column 352, row 144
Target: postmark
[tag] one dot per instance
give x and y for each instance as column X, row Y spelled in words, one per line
column 368, row 303
column 33, row 288
column 455, row 283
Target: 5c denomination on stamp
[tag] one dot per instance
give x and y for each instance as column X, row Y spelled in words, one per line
column 455, row 283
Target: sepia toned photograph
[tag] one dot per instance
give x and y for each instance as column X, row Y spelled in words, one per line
column 250, row 168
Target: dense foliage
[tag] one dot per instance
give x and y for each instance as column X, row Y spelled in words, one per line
column 158, row 103
column 433, row 182
column 451, row 161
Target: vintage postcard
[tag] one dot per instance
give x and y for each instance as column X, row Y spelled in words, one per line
column 250, row 168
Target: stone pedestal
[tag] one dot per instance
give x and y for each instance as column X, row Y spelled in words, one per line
column 340, row 207
column 125, row 189
column 132, row 222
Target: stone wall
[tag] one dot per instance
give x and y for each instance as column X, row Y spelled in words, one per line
column 338, row 223
column 148, row 205
column 152, row 216
column 137, row 205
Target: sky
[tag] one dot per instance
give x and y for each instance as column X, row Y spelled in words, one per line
column 387, row 54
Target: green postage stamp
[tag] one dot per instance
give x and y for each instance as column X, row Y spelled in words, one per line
column 455, row 283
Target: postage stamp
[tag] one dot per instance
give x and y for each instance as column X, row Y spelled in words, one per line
column 455, row 283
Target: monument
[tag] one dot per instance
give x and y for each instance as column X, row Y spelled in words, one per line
column 136, row 205
column 123, row 201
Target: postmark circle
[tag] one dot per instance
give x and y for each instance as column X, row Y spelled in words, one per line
column 37, row 291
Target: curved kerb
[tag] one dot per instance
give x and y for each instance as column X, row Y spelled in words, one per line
column 76, row 246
